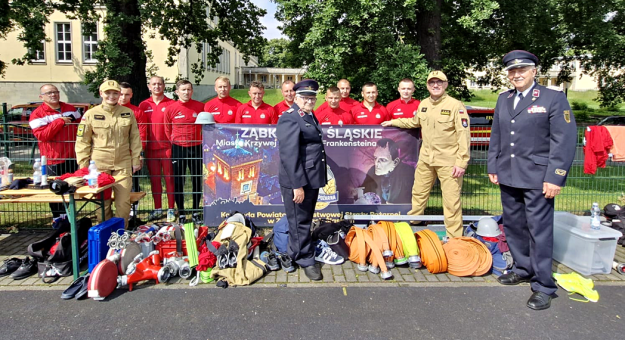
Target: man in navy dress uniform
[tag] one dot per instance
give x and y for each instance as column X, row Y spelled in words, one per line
column 532, row 146
column 302, row 172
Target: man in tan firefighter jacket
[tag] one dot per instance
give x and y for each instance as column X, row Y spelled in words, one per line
column 108, row 135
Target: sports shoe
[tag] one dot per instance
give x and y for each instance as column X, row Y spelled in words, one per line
column 28, row 268
column 9, row 266
column 197, row 219
column 270, row 259
column 286, row 262
column 325, row 254
column 182, row 219
column 171, row 215
column 155, row 214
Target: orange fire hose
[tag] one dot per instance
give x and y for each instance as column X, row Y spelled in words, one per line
column 363, row 248
column 394, row 242
column 467, row 256
column 432, row 253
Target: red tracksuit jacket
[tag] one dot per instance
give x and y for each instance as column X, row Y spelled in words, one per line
column 156, row 138
column 180, row 127
column 56, row 139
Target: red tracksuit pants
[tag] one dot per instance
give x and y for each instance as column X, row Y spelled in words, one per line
column 159, row 165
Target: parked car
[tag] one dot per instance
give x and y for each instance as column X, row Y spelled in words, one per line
column 613, row 120
column 481, row 123
column 17, row 118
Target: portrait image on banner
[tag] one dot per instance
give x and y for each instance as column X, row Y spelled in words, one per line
column 370, row 170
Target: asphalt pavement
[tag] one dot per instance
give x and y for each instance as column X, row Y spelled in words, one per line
column 156, row 312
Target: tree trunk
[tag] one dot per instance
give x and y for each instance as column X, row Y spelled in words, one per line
column 133, row 46
column 429, row 34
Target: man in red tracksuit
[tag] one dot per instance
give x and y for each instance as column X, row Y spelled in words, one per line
column 405, row 106
column 288, row 94
column 256, row 111
column 223, row 107
column 346, row 102
column 333, row 114
column 186, row 146
column 142, row 120
column 158, row 148
column 54, row 124
column 369, row 112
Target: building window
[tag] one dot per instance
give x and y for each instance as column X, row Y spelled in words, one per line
column 90, row 45
column 263, row 78
column 63, row 43
column 40, row 53
column 289, row 78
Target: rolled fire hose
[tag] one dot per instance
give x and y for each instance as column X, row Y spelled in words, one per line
column 395, row 243
column 362, row 248
column 432, row 252
column 467, row 256
column 619, row 267
column 409, row 244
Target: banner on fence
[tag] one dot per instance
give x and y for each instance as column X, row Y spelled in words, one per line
column 370, row 171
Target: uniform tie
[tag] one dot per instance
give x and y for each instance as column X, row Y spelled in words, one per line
column 518, row 99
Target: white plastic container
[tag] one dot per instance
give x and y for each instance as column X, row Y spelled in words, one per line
column 582, row 249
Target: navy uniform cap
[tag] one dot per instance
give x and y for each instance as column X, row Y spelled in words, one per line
column 307, row 87
column 519, row 58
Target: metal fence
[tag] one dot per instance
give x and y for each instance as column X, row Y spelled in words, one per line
column 479, row 196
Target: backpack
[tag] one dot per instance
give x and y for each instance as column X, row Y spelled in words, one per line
column 281, row 234
column 245, row 271
column 59, row 264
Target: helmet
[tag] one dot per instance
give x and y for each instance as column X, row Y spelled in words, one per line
column 612, row 211
column 205, row 118
column 487, row 227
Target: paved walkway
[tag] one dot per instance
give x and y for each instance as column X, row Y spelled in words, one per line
column 344, row 275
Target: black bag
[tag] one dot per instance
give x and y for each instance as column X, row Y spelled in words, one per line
column 59, row 264
column 333, row 233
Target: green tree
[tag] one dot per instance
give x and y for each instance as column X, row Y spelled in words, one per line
column 350, row 39
column 122, row 53
column 276, row 54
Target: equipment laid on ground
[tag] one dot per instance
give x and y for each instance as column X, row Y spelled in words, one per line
column 575, row 283
column 619, row 267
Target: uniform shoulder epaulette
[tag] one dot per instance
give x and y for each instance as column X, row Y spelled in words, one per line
column 505, row 91
column 290, row 110
column 555, row 88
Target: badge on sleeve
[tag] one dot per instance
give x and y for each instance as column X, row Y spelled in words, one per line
column 567, row 116
column 465, row 123
column 560, row 172
column 424, row 109
column 461, row 112
column 81, row 130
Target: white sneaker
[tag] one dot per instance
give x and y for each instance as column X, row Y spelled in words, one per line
column 325, row 254
column 171, row 215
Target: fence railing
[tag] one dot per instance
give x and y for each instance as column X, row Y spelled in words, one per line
column 479, row 196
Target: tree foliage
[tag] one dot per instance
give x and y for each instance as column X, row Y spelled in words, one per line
column 276, row 54
column 122, row 53
column 350, row 39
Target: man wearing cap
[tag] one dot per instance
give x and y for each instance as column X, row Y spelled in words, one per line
column 405, row 106
column 223, row 107
column 256, row 111
column 54, row 124
column 158, row 149
column 288, row 94
column 108, row 135
column 532, row 147
column 186, row 147
column 444, row 153
column 302, row 172
column 332, row 113
column 369, row 112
